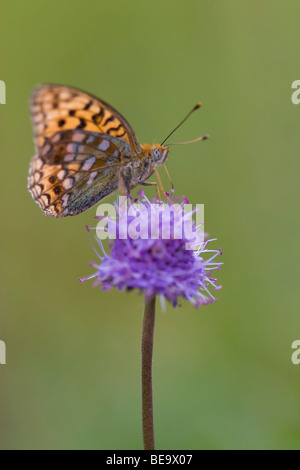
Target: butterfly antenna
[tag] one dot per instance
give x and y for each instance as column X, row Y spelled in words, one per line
column 203, row 137
column 198, row 105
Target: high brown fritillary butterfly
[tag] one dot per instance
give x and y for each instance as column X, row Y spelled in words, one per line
column 85, row 150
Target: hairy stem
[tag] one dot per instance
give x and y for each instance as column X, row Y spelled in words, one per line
column 147, row 351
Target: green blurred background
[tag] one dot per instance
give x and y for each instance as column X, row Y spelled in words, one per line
column 223, row 377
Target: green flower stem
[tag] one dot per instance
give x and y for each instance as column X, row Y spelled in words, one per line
column 147, row 351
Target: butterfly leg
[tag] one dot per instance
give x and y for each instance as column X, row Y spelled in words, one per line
column 161, row 185
column 121, row 185
column 124, row 181
column 168, row 174
column 153, row 183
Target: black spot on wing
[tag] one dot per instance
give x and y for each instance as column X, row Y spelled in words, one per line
column 82, row 124
column 114, row 129
column 97, row 118
column 57, row 190
column 109, row 119
column 88, row 105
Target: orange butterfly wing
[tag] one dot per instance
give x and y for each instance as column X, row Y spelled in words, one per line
column 57, row 108
column 82, row 142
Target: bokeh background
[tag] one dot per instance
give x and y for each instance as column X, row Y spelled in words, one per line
column 223, row 377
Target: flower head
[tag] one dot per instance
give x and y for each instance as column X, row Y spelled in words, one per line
column 158, row 250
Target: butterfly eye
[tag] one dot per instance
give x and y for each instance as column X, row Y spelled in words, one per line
column 156, row 154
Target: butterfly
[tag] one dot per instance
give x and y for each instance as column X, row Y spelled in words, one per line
column 85, row 150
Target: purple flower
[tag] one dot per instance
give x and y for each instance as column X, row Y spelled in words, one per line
column 157, row 251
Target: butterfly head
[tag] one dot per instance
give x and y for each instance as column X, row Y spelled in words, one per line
column 159, row 154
